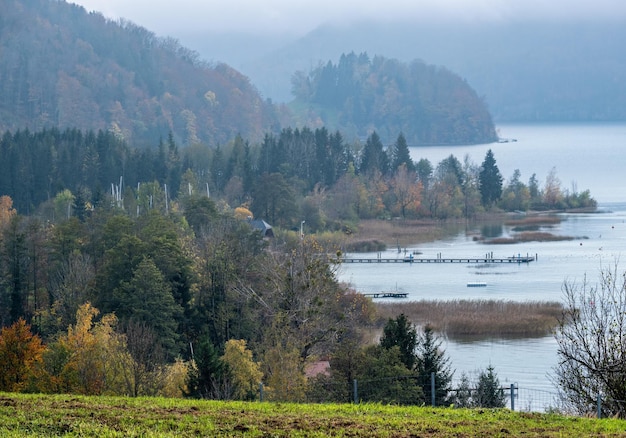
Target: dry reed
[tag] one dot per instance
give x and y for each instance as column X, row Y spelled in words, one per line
column 527, row 236
column 400, row 232
column 534, row 220
column 478, row 318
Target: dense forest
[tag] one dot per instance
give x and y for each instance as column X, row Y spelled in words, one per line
column 64, row 67
column 144, row 291
column 137, row 271
column 299, row 174
column 429, row 104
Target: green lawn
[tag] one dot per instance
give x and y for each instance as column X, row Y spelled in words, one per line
column 68, row 415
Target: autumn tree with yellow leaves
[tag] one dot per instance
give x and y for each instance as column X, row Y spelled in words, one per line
column 245, row 373
column 90, row 358
column 6, row 210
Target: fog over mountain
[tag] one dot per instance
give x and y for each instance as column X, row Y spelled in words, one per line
column 531, row 60
column 287, row 17
column 526, row 71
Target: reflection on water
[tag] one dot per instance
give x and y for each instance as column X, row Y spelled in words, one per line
column 600, row 242
column 491, row 231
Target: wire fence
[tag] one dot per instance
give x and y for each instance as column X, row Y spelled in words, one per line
column 423, row 390
column 537, row 400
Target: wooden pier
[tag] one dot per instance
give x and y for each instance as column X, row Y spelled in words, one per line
column 466, row 260
column 387, row 295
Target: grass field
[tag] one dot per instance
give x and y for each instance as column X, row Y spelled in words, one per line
column 67, row 415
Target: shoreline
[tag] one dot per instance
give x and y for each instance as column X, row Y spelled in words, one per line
column 463, row 319
column 380, row 234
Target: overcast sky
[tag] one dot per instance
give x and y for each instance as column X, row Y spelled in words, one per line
column 169, row 17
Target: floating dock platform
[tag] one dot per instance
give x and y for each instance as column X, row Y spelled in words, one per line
column 466, row 260
column 387, row 295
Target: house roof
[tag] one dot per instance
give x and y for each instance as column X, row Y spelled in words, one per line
column 262, row 226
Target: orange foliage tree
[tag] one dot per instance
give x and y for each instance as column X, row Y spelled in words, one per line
column 20, row 356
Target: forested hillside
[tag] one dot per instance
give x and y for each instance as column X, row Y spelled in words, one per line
column 428, row 104
column 63, row 67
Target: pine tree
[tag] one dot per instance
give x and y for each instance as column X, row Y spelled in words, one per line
column 433, row 360
column 463, row 396
column 401, row 155
column 400, row 332
column 490, row 181
column 147, row 297
column 374, row 157
column 489, row 394
column 208, row 377
column 424, row 170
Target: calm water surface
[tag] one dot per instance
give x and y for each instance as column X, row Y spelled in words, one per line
column 589, row 156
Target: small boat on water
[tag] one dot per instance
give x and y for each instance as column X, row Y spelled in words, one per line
column 476, row 284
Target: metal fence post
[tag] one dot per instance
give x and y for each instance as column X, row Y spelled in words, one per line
column 355, row 390
column 512, row 396
column 432, row 389
column 261, row 391
column 599, row 405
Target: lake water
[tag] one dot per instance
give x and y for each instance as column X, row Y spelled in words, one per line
column 589, row 156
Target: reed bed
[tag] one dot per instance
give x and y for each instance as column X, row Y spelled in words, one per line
column 478, row 318
column 400, row 232
column 528, row 236
column 534, row 220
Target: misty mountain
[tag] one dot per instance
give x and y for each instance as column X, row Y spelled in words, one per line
column 64, row 67
column 526, row 71
column 359, row 95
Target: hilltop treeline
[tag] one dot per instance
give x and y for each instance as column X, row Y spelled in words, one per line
column 300, row 174
column 429, row 104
